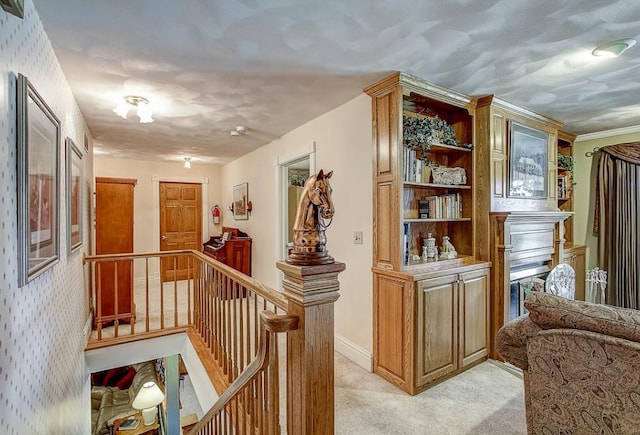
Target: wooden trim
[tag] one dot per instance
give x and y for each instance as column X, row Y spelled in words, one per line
column 112, row 180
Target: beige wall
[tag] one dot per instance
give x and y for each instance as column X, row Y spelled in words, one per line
column 146, row 195
column 343, row 144
column 585, row 175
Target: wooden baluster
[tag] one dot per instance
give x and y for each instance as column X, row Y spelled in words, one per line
column 116, row 308
column 146, row 294
column 190, row 275
column 311, row 292
column 99, row 299
column 175, row 291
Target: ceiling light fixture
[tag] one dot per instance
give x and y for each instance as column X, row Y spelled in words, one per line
column 135, row 102
column 187, row 162
column 239, row 131
column 614, row 48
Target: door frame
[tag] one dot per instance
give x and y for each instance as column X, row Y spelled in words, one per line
column 156, row 179
column 280, row 166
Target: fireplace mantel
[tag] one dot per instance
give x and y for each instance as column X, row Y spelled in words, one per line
column 520, row 238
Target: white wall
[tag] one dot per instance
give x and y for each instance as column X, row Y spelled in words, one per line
column 146, row 195
column 43, row 378
column 343, row 144
column 585, row 190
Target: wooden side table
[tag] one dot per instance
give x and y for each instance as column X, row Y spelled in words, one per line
column 141, row 429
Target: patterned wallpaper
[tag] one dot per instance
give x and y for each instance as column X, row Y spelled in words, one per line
column 43, row 384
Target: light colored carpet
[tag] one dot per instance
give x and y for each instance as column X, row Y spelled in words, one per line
column 485, row 399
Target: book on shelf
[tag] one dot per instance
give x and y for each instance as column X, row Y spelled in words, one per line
column 562, row 187
column 448, row 206
column 129, row 424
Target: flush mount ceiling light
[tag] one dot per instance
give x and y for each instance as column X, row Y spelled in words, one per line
column 239, row 131
column 187, row 162
column 614, row 48
column 141, row 105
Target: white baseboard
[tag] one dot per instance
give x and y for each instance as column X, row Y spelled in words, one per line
column 355, row 353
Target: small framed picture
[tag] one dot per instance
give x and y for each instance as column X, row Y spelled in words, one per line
column 74, row 196
column 240, row 199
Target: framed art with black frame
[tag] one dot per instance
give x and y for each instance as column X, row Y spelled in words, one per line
column 528, row 148
column 74, row 196
column 38, row 183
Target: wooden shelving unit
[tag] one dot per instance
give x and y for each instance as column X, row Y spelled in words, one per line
column 414, row 297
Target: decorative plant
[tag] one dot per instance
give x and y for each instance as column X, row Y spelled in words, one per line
column 567, row 163
column 421, row 133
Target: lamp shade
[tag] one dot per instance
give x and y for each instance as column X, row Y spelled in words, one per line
column 149, row 396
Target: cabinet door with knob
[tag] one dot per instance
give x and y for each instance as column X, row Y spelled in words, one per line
column 575, row 255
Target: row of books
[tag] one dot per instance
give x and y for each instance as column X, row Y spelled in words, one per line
column 563, row 187
column 447, row 206
column 414, row 168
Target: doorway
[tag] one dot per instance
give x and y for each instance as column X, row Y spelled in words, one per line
column 290, row 171
column 180, row 225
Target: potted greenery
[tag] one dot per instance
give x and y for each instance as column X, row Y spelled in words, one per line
column 566, row 163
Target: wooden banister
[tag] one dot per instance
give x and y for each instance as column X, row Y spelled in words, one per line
column 229, row 312
column 224, row 417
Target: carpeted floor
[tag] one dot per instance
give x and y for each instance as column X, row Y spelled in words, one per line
column 485, row 399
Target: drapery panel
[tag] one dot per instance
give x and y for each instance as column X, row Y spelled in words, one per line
column 617, row 222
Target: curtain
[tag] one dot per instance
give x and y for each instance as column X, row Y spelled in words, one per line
column 616, row 223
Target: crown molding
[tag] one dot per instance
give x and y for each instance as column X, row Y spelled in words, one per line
column 608, row 133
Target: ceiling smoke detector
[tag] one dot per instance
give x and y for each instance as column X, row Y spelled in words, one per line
column 239, row 131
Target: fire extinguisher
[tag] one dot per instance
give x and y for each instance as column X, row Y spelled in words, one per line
column 215, row 212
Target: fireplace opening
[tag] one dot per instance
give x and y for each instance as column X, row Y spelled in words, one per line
column 523, row 280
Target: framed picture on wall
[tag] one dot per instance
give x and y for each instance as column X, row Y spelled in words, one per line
column 74, row 196
column 38, row 183
column 240, row 199
column 528, row 157
column 15, row 7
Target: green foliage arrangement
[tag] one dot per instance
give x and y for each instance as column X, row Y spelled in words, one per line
column 567, row 163
column 421, row 133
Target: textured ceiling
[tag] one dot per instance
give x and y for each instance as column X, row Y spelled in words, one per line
column 272, row 65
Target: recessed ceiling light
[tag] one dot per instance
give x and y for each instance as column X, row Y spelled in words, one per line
column 614, row 48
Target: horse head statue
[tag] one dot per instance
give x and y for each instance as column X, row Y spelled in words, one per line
column 314, row 208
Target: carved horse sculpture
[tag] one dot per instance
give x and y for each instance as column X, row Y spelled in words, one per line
column 309, row 240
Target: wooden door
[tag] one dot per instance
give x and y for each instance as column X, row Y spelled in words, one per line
column 474, row 316
column 180, row 226
column 114, row 235
column 437, row 332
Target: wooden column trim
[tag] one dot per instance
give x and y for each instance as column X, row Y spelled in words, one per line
column 311, row 292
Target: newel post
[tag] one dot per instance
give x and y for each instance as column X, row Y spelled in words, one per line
column 311, row 291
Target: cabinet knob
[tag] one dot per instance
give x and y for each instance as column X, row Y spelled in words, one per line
column 164, row 237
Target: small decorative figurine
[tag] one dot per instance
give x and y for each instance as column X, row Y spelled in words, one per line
column 429, row 247
column 448, row 251
column 309, row 240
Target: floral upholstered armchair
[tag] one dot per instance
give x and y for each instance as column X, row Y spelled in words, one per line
column 581, row 365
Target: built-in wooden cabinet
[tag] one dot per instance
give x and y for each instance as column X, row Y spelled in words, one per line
column 574, row 255
column 424, row 329
column 430, row 325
